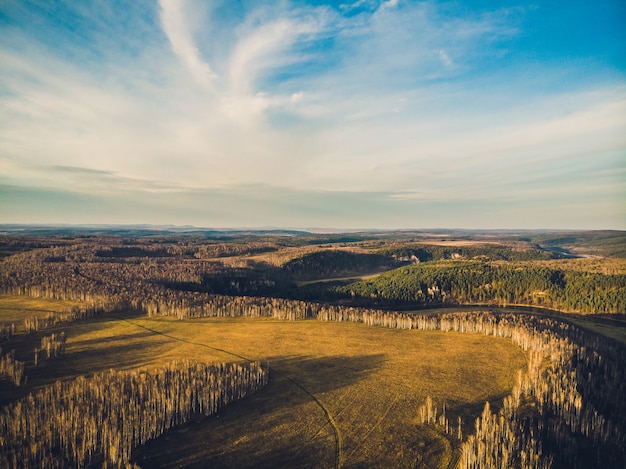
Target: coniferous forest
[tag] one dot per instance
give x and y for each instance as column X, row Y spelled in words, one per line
column 563, row 409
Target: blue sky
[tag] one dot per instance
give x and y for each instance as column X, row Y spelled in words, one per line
column 363, row 114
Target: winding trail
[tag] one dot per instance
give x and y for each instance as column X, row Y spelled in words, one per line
column 329, row 417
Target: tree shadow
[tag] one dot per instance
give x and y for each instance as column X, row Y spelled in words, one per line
column 71, row 365
column 109, row 340
column 282, row 425
column 320, row 375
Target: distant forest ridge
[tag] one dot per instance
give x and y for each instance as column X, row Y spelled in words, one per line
column 177, row 270
column 569, row 243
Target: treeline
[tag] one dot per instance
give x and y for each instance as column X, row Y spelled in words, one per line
column 491, row 252
column 98, row 420
column 480, row 283
column 184, row 249
column 163, row 302
column 90, row 309
column 204, row 251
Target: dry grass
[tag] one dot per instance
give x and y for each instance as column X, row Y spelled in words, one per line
column 369, row 381
column 13, row 308
column 353, row 278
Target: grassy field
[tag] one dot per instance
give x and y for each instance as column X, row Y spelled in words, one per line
column 13, row 309
column 340, row 394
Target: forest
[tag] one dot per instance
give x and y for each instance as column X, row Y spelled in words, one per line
column 512, row 283
column 563, row 409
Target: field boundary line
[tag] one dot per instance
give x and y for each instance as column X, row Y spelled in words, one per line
column 180, row 339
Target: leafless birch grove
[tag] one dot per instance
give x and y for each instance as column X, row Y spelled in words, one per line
column 98, row 420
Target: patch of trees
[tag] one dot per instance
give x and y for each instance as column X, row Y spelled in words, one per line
column 10, row 245
column 490, row 252
column 205, row 251
column 479, row 283
column 6, row 331
column 154, row 287
column 204, row 305
column 132, row 251
column 247, row 282
column 98, row 420
column 329, row 263
column 51, row 347
column 185, row 250
column 253, row 280
column 12, row 369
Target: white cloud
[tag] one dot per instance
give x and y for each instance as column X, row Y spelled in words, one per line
column 445, row 59
column 261, row 51
column 389, row 4
column 175, row 27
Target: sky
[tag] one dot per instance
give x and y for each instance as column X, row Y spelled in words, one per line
column 300, row 114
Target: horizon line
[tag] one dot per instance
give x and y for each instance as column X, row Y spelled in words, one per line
column 310, row 229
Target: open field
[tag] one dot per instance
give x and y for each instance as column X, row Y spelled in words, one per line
column 14, row 308
column 351, row 278
column 339, row 392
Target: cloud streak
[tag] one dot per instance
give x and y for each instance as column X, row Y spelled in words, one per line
column 182, row 43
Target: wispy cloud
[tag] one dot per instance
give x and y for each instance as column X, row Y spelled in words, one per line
column 96, row 180
column 410, row 102
column 178, row 33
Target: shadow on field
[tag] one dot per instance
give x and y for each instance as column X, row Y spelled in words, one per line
column 72, row 365
column 319, row 375
column 284, row 425
column 89, row 343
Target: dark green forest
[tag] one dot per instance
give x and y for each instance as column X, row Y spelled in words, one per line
column 477, row 282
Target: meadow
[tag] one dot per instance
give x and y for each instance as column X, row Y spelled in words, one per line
column 340, row 394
